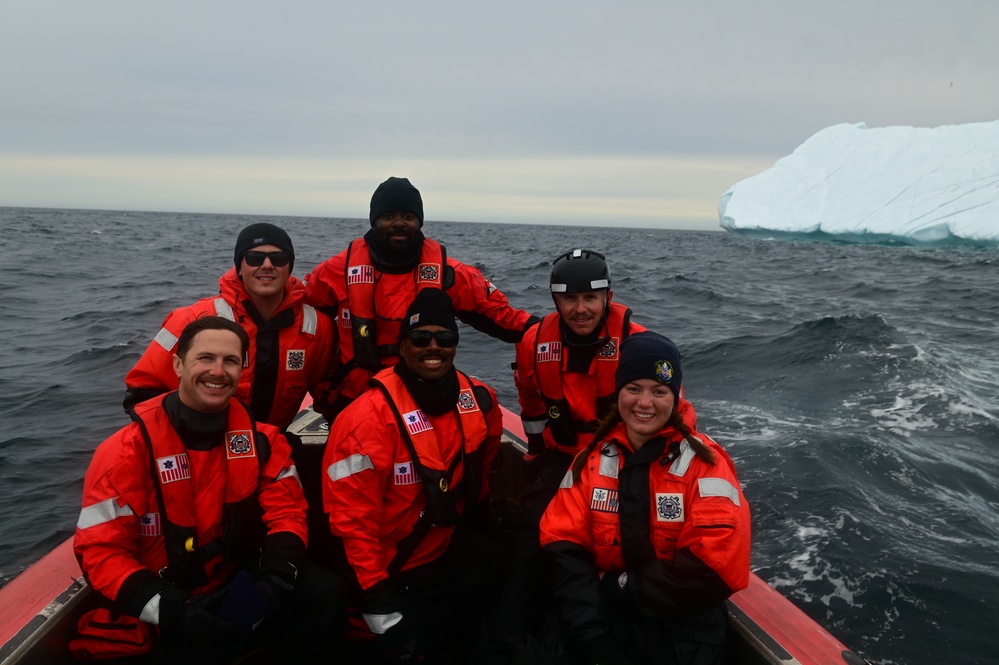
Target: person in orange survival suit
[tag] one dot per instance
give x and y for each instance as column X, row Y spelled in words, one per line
column 649, row 532
column 369, row 285
column 565, row 370
column 291, row 344
column 291, row 353
column 194, row 520
column 406, row 489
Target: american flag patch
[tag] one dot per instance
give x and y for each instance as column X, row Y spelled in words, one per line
column 549, row 351
column 149, row 525
column 604, row 500
column 173, row 468
column 416, row 422
column 360, row 275
column 405, row 474
column 344, row 318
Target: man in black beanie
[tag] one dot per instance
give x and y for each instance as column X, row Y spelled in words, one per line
column 369, row 286
column 405, row 485
column 291, row 344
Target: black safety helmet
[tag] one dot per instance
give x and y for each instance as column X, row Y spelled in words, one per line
column 579, row 271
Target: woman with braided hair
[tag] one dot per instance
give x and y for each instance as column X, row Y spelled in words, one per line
column 649, row 532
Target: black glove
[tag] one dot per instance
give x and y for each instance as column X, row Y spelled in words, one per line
column 398, row 643
column 604, row 650
column 244, row 605
column 187, row 617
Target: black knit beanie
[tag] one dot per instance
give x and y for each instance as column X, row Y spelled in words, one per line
column 396, row 194
column 431, row 307
column 649, row 355
column 263, row 233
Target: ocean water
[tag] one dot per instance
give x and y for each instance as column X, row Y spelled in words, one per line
column 856, row 387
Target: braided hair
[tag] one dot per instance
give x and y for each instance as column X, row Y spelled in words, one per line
column 613, row 417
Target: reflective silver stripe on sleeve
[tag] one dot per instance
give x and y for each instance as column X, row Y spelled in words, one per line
column 223, row 309
column 566, row 481
column 290, row 471
column 534, row 426
column 682, row 463
column 309, row 319
column 348, row 467
column 718, row 487
column 379, row 623
column 151, row 611
column 609, row 461
column 166, row 339
column 99, row 513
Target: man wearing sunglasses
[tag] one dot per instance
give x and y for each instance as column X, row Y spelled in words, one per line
column 405, row 486
column 369, row 285
column 291, row 344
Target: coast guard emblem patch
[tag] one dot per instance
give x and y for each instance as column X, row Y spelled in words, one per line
column 238, row 444
column 664, row 372
column 405, row 473
column 609, row 350
column 174, row 468
column 466, row 403
column 344, row 318
column 296, row 359
column 429, row 272
column 604, row 500
column 150, row 525
column 669, row 507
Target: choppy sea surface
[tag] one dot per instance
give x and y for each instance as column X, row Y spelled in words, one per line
column 856, row 387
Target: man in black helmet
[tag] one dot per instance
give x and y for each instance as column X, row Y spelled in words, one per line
column 369, row 285
column 565, row 368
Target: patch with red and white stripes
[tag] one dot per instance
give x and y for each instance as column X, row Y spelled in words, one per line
column 405, row 473
column 604, row 500
column 549, row 351
column 150, row 525
column 174, row 468
column 416, row 422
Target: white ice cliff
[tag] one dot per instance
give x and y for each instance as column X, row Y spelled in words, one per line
column 917, row 185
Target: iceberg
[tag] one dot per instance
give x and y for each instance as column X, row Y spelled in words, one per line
column 892, row 184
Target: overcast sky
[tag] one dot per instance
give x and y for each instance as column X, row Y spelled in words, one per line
column 619, row 112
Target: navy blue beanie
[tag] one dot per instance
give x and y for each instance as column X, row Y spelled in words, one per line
column 649, row 355
column 396, row 194
column 263, row 233
column 431, row 307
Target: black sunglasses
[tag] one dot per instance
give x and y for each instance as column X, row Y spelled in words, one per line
column 445, row 338
column 256, row 259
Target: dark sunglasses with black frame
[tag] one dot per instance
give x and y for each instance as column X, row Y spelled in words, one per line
column 255, row 259
column 446, row 339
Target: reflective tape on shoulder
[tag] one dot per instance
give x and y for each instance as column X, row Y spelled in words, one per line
column 223, row 309
column 348, row 467
column 99, row 513
column 166, row 339
column 310, row 322
column 290, row 471
column 718, row 487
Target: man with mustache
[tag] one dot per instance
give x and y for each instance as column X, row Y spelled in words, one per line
column 194, row 522
column 406, row 490
column 369, row 285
